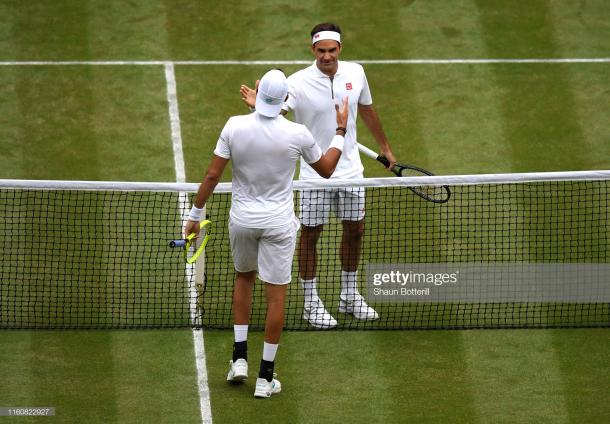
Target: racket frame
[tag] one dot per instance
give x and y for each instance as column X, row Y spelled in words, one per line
column 398, row 170
column 190, row 240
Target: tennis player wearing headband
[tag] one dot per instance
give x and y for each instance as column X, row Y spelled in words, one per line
column 264, row 148
column 313, row 92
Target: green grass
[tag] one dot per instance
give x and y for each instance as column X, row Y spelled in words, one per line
column 85, row 123
column 422, row 377
column 101, row 376
column 111, row 123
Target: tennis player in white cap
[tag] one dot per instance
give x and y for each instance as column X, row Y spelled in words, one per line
column 264, row 148
column 312, row 94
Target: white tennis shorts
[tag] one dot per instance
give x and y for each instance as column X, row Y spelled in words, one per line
column 269, row 251
column 316, row 205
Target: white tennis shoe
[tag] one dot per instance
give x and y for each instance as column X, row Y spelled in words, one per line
column 238, row 370
column 356, row 305
column 317, row 315
column 265, row 389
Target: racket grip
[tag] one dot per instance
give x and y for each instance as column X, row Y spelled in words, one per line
column 177, row 243
column 383, row 160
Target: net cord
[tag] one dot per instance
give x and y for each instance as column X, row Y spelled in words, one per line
column 451, row 180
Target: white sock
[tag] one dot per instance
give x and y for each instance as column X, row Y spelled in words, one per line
column 349, row 283
column 241, row 333
column 309, row 289
column 269, row 351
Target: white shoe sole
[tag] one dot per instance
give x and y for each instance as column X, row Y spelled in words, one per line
column 236, row 378
column 323, row 325
column 344, row 310
column 266, row 394
column 237, row 375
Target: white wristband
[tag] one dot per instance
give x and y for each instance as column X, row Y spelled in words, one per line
column 195, row 213
column 337, row 142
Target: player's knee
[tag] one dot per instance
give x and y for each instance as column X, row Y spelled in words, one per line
column 353, row 231
column 310, row 234
column 276, row 293
column 247, row 277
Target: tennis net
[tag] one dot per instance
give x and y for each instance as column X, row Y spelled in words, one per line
column 533, row 247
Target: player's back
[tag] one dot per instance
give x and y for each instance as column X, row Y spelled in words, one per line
column 264, row 152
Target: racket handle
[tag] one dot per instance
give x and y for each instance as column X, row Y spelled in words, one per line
column 366, row 151
column 383, row 160
column 177, row 243
column 373, row 155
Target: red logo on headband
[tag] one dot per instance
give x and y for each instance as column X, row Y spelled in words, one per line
column 316, row 36
column 348, row 86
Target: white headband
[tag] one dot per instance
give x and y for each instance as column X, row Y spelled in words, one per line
column 326, row 35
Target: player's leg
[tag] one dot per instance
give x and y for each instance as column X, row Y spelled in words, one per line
column 315, row 210
column 351, row 245
column 244, row 249
column 266, row 384
column 351, row 212
column 276, row 251
column 242, row 297
column 274, row 321
column 242, row 305
column 308, row 252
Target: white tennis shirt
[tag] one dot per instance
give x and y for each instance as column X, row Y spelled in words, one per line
column 312, row 96
column 264, row 152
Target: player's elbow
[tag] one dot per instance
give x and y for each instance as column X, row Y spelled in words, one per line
column 325, row 167
column 326, row 174
column 212, row 178
column 325, row 170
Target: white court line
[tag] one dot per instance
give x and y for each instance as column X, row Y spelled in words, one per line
column 174, row 116
column 303, row 62
column 176, row 135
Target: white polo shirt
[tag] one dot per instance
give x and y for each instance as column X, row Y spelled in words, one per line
column 264, row 152
column 312, row 96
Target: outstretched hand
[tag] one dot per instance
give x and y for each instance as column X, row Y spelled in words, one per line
column 342, row 113
column 248, row 95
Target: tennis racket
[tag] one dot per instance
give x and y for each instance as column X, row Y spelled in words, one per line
column 436, row 194
column 191, row 250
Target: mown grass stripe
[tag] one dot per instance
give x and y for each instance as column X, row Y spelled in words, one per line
column 537, row 103
column 154, row 376
column 18, row 383
column 585, row 371
column 178, row 155
column 73, row 371
column 55, row 112
column 511, row 383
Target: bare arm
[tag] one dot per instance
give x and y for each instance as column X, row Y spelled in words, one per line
column 206, row 188
column 372, row 122
column 326, row 165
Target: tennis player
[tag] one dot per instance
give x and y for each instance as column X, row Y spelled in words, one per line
column 264, row 148
column 312, row 94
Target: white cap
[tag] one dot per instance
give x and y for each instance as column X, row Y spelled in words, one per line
column 272, row 91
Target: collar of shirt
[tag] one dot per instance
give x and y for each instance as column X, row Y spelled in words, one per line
column 321, row 74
